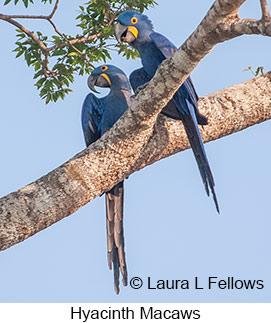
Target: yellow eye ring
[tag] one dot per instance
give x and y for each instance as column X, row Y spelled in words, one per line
column 134, row 20
column 104, row 68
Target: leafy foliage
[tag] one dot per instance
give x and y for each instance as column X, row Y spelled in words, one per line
column 68, row 55
column 258, row 71
column 26, row 2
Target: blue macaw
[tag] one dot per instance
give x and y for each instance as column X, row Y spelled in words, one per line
column 137, row 30
column 99, row 115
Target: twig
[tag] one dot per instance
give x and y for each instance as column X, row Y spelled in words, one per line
column 46, row 50
column 54, row 9
column 35, row 16
column 116, row 13
column 75, row 41
column 69, row 43
column 45, row 65
column 9, row 18
column 25, row 30
column 265, row 10
column 46, row 69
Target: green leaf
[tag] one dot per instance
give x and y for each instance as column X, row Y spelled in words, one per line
column 259, row 71
column 65, row 62
column 66, row 81
column 19, row 54
column 55, row 96
column 59, row 52
column 40, row 82
column 48, row 98
column 73, row 54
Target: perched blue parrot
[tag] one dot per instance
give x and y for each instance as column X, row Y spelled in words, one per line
column 137, row 30
column 99, row 115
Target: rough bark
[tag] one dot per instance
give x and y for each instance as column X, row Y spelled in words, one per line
column 119, row 153
column 137, row 140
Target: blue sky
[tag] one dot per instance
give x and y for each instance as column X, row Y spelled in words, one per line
column 172, row 230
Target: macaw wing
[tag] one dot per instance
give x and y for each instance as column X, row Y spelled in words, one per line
column 167, row 48
column 138, row 78
column 185, row 100
column 91, row 116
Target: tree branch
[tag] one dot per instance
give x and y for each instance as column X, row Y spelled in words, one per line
column 35, row 16
column 8, row 19
column 140, row 137
column 265, row 10
column 72, row 42
column 54, row 9
column 75, row 41
column 69, row 43
column 126, row 148
column 251, row 27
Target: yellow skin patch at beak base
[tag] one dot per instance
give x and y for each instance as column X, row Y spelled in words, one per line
column 133, row 30
column 107, row 78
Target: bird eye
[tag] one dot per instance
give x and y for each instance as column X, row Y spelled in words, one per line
column 134, row 20
column 104, row 68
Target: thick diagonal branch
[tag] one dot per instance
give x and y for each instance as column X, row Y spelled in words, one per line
column 139, row 138
column 125, row 149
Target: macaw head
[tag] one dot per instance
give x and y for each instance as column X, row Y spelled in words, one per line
column 131, row 26
column 107, row 76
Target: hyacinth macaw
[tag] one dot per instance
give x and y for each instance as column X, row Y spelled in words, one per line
column 99, row 115
column 137, row 30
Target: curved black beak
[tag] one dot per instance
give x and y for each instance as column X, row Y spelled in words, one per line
column 92, row 80
column 124, row 33
column 119, row 31
column 101, row 80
